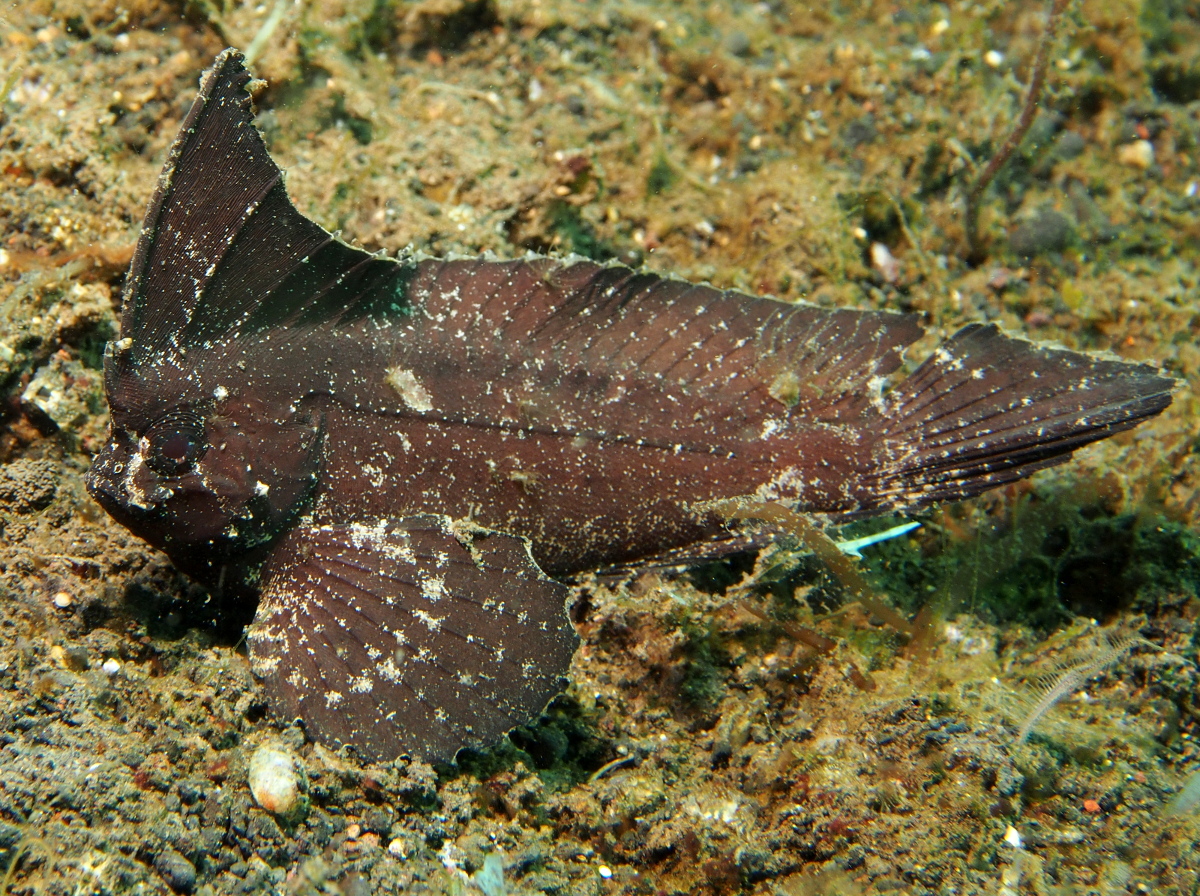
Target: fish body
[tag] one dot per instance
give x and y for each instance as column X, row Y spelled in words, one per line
column 400, row 457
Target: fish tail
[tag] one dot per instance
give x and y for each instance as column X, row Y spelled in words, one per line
column 986, row 409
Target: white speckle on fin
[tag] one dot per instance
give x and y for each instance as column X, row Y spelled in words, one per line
column 409, row 388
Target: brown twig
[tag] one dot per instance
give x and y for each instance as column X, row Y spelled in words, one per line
column 1037, row 84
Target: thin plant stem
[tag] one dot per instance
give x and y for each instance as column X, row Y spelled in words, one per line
column 1029, row 109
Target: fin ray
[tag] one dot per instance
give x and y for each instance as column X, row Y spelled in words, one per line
column 986, row 409
column 225, row 254
column 451, row 629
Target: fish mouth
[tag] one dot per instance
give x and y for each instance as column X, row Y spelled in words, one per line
column 106, row 478
column 107, row 483
column 175, row 516
column 120, row 482
column 103, row 480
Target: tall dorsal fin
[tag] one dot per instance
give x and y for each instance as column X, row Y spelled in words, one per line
column 223, row 251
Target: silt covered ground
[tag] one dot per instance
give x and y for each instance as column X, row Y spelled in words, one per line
column 747, row 727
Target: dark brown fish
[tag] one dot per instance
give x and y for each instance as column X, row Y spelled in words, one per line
column 396, row 455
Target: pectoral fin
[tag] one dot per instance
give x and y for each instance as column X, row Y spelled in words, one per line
column 414, row 636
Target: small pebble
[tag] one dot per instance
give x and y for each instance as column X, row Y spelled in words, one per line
column 377, row 820
column 75, row 658
column 993, row 58
column 860, row 131
column 275, row 780
column 365, row 843
column 883, row 261
column 1038, row 318
column 1138, row 154
column 738, row 43
column 605, row 871
column 110, row 666
column 62, row 599
column 1046, row 231
column 1070, row 145
column 999, row 278
column 176, row 870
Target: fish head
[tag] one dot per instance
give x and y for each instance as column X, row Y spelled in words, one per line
column 203, row 472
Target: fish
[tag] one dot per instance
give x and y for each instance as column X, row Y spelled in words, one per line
column 405, row 460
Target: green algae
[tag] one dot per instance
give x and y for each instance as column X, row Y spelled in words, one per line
column 1052, row 559
column 562, row 746
column 576, row 234
column 661, row 176
column 705, row 668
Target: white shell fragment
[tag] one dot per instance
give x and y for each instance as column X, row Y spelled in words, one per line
column 1138, row 154
column 276, row 781
column 1013, row 837
column 885, row 262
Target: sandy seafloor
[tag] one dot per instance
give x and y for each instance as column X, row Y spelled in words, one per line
column 704, row 745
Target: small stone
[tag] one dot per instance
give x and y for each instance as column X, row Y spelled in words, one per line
column 110, row 666
column 1070, row 145
column 176, row 870
column 190, row 791
column 75, row 658
column 276, row 781
column 1047, row 231
column 1138, row 154
column 366, row 843
column 377, row 819
column 489, row 879
column 999, row 278
column 853, row 858
column 62, row 599
column 860, row 131
column 738, row 43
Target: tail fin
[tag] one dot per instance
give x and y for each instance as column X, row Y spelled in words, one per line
column 986, row 409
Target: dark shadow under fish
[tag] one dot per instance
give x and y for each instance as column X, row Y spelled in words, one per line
column 397, row 455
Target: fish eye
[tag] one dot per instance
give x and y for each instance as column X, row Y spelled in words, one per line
column 177, row 440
